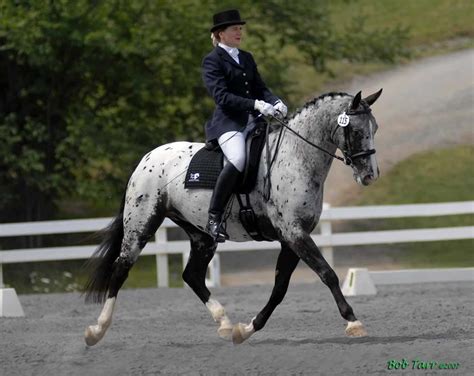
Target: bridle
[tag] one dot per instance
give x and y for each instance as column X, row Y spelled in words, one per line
column 347, row 152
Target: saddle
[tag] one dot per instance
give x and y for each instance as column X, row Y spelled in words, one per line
column 207, row 163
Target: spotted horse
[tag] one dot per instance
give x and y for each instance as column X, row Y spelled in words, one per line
column 288, row 213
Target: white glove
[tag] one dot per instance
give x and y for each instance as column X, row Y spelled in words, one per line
column 281, row 109
column 264, row 108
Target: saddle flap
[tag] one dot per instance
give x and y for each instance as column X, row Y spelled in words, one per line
column 207, row 163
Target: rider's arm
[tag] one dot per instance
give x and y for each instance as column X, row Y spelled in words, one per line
column 260, row 89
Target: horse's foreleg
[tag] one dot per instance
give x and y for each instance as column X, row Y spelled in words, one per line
column 203, row 248
column 305, row 248
column 286, row 264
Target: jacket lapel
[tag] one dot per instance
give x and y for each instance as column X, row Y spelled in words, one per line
column 224, row 55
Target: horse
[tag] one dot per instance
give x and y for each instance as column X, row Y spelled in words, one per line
column 302, row 154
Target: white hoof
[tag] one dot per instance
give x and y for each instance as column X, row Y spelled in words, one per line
column 242, row 332
column 225, row 330
column 219, row 316
column 93, row 335
column 355, row 329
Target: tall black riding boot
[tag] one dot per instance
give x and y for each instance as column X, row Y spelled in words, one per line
column 226, row 182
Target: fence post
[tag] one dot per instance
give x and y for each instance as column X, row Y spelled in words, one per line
column 214, row 272
column 1, row 275
column 185, row 258
column 326, row 229
column 162, row 272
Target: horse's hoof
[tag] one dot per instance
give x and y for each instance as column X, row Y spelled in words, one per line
column 355, row 329
column 91, row 337
column 225, row 333
column 237, row 335
column 241, row 332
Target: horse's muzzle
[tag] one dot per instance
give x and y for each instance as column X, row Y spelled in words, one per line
column 368, row 179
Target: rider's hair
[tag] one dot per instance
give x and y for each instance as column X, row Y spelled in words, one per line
column 215, row 36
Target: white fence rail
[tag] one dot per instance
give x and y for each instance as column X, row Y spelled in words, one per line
column 162, row 247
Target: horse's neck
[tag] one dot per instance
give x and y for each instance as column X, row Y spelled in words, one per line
column 313, row 164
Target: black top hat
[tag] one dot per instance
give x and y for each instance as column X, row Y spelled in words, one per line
column 226, row 18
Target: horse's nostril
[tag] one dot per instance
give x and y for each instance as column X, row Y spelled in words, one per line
column 367, row 179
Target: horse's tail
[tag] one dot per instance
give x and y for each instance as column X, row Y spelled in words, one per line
column 101, row 262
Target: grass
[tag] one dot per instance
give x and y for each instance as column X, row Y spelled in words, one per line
column 437, row 176
column 434, row 27
column 69, row 276
column 428, row 21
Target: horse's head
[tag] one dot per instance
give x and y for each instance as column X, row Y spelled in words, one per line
column 354, row 136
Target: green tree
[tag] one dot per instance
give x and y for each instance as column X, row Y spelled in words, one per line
column 90, row 86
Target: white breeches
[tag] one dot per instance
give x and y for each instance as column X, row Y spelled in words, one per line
column 233, row 145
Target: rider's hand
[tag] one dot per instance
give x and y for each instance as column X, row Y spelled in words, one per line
column 281, row 109
column 264, row 108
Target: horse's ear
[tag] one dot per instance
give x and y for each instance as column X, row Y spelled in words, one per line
column 356, row 101
column 370, row 100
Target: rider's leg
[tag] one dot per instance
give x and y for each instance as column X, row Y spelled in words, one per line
column 233, row 147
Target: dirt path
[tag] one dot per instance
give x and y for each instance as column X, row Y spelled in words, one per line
column 424, row 105
column 169, row 332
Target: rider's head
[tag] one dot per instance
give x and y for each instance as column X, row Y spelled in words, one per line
column 227, row 28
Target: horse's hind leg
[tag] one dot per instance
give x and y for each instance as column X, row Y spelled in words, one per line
column 136, row 235
column 203, row 248
column 286, row 264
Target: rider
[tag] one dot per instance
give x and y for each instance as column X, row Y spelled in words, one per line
column 232, row 79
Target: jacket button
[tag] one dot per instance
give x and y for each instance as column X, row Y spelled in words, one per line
column 246, row 83
column 248, row 92
column 245, row 74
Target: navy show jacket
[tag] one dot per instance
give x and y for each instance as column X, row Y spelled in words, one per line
column 234, row 87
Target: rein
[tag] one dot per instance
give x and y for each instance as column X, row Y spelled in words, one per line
column 348, row 156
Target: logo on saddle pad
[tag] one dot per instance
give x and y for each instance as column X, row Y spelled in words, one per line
column 194, row 177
